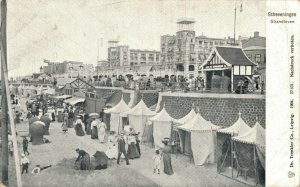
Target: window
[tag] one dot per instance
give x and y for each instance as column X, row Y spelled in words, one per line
column 248, row 70
column 236, row 70
column 249, row 56
column 242, row 70
column 257, row 58
column 211, row 43
column 200, row 42
column 192, row 46
column 191, row 68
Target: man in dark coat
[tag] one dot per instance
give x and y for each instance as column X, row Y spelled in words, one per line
column 121, row 149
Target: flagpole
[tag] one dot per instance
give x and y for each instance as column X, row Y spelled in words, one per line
column 4, row 121
column 6, row 100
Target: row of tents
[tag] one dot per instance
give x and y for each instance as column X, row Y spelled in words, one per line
column 238, row 146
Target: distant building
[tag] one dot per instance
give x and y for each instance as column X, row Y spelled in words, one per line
column 144, row 57
column 185, row 52
column 68, row 69
column 101, row 67
column 255, row 49
column 118, row 55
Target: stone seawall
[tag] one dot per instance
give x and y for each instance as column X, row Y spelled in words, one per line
column 149, row 97
column 220, row 109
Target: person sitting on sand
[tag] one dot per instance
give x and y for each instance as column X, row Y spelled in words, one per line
column 38, row 169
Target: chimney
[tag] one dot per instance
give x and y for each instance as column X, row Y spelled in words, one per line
column 256, row 34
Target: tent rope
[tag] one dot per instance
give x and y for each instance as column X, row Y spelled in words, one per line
column 224, row 158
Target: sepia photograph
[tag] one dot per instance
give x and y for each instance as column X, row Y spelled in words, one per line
column 132, row 93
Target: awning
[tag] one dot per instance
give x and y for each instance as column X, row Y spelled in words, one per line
column 63, row 96
column 74, row 100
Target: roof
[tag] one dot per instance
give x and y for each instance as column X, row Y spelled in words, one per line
column 64, row 81
column 255, row 41
column 239, row 127
column 141, row 109
column 74, row 100
column 198, row 123
column 119, row 108
column 254, row 48
column 256, row 135
column 234, row 56
column 63, row 96
column 186, row 118
column 162, row 116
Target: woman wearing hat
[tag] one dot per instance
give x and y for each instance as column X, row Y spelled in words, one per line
column 132, row 152
column 112, row 149
column 78, row 126
column 166, row 150
column 101, row 131
column 94, row 130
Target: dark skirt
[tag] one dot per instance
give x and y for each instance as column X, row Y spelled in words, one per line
column 70, row 123
column 132, row 151
column 88, row 129
column 167, row 164
column 99, row 167
column 78, row 129
column 85, row 162
column 94, row 134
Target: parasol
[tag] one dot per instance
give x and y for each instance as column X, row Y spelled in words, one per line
column 95, row 115
column 39, row 122
column 101, row 158
column 33, row 119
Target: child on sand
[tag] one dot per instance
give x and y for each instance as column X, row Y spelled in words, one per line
column 157, row 162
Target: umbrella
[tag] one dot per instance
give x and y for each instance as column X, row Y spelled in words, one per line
column 94, row 115
column 101, row 158
column 33, row 119
column 39, row 122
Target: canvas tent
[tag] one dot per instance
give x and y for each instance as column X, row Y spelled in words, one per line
column 138, row 116
column 74, row 100
column 162, row 127
column 115, row 115
column 250, row 152
column 199, row 137
column 224, row 143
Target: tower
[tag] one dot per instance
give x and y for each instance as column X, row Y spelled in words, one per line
column 185, row 44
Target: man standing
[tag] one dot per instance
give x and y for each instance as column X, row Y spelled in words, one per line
column 24, row 163
column 25, row 146
column 121, row 149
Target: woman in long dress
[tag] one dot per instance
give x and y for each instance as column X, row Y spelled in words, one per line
column 101, row 131
column 166, row 150
column 78, row 127
column 65, row 124
column 94, row 130
column 132, row 152
column 112, row 149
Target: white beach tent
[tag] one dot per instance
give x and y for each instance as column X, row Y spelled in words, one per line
column 201, row 135
column 162, row 127
column 115, row 115
column 224, row 142
column 250, row 146
column 138, row 117
column 238, row 128
column 186, row 118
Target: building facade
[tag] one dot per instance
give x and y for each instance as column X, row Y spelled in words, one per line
column 185, row 52
column 68, row 69
column 255, row 49
column 118, row 56
column 144, row 57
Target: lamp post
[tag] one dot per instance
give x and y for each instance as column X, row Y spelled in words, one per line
column 241, row 9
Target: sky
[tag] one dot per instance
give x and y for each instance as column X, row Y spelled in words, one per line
column 60, row 30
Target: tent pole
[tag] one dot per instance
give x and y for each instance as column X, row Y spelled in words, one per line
column 255, row 165
column 231, row 152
